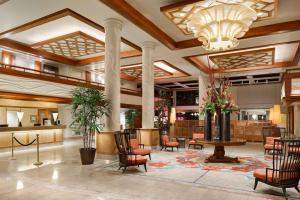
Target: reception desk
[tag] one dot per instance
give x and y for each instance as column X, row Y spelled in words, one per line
column 47, row 134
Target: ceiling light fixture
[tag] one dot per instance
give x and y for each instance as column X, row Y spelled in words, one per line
column 219, row 25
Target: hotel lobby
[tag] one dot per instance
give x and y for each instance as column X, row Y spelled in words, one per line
column 151, row 100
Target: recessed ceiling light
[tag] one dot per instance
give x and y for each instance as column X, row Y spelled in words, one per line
column 260, row 14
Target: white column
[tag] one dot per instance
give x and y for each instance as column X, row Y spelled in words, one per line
column 65, row 117
column 113, row 29
column 148, row 85
column 203, row 83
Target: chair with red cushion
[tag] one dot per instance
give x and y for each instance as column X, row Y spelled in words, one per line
column 135, row 147
column 269, row 143
column 166, row 143
column 126, row 156
column 285, row 170
column 195, row 137
column 133, row 142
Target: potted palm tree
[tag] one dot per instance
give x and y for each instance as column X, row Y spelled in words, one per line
column 130, row 117
column 88, row 106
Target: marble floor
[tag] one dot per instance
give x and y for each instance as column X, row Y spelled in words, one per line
column 63, row 177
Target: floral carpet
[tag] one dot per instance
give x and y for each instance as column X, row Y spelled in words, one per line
column 188, row 166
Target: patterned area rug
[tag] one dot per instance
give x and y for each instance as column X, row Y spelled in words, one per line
column 188, row 166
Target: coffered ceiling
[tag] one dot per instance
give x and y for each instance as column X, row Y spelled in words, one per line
column 179, row 13
column 271, row 44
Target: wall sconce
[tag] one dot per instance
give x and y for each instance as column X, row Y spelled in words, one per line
column 276, row 114
column 20, row 117
column 55, row 116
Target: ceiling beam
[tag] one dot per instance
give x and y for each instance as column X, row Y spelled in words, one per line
column 129, row 12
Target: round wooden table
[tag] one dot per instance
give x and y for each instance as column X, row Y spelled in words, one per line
column 219, row 152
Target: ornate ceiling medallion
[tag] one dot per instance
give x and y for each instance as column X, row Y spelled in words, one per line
column 220, row 25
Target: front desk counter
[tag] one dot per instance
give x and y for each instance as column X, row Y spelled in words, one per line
column 47, row 134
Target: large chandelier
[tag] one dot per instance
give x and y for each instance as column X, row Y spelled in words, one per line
column 219, row 26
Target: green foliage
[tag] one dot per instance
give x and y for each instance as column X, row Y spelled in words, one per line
column 88, row 106
column 130, row 117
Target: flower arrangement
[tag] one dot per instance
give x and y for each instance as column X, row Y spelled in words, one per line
column 218, row 99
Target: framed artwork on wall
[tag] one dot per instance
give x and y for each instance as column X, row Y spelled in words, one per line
column 33, row 118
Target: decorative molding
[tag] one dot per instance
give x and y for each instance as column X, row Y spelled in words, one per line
column 179, row 13
column 129, row 12
column 49, row 18
column 73, row 45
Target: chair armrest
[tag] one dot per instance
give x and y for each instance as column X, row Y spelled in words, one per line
column 142, row 145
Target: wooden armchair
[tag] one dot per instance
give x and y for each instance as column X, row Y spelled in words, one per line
column 195, row 137
column 269, row 144
column 285, row 171
column 126, row 156
column 167, row 143
column 133, row 143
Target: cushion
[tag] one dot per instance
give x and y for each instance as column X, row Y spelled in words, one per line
column 261, row 175
column 198, row 136
column 270, row 140
column 270, row 146
column 294, row 150
column 192, row 142
column 172, row 144
column 165, row 139
column 141, row 152
column 136, row 160
column 134, row 143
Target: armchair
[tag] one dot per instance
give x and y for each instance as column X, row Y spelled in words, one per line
column 285, row 171
column 126, row 157
column 167, row 143
column 195, row 137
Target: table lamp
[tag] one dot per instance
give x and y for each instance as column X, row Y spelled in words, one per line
column 20, row 117
column 55, row 116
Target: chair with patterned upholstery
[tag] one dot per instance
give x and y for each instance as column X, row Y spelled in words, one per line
column 126, row 156
column 166, row 143
column 285, row 170
column 134, row 145
column 195, row 137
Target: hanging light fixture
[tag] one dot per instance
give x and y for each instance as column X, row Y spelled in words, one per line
column 220, row 25
column 55, row 116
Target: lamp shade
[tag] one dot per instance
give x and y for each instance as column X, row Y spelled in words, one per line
column 276, row 114
column 20, row 116
column 173, row 115
column 54, row 115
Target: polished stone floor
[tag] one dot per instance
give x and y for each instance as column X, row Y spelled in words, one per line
column 63, row 177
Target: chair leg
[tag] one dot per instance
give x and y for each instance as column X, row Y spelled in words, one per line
column 255, row 184
column 149, row 156
column 172, row 149
column 162, row 148
column 138, row 165
column 177, row 148
column 145, row 167
column 297, row 189
column 284, row 193
column 124, row 170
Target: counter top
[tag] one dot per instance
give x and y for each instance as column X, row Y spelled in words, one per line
column 31, row 128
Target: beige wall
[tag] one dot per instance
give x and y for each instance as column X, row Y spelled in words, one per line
column 257, row 96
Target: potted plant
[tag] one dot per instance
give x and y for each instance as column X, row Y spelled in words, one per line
column 130, row 117
column 88, row 106
column 162, row 108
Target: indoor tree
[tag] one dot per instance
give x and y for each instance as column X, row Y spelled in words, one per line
column 88, row 106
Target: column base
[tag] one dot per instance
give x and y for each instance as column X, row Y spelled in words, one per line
column 149, row 136
column 105, row 143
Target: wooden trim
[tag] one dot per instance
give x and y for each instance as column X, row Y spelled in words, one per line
column 62, row 37
column 88, row 76
column 24, row 48
column 32, row 97
column 127, row 77
column 178, row 4
column 129, row 12
column 297, row 56
column 195, row 62
column 174, row 67
column 132, row 106
column 125, row 54
column 71, row 81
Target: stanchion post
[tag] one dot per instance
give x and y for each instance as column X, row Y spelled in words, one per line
column 38, row 162
column 12, row 147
